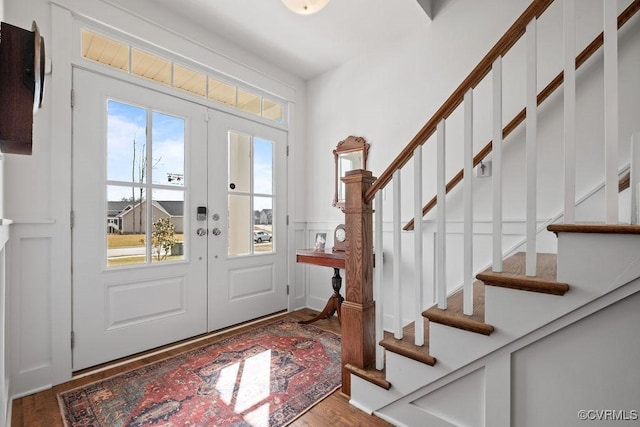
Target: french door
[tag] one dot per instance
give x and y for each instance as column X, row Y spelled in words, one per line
column 248, row 243
column 163, row 248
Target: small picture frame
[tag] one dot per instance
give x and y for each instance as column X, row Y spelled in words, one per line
column 321, row 239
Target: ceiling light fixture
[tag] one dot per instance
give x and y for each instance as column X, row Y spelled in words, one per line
column 305, row 7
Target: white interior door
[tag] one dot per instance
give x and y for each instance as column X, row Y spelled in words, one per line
column 139, row 175
column 247, row 201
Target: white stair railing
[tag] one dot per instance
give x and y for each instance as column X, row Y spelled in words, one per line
column 418, row 246
column 611, row 109
column 468, row 204
column 441, row 233
column 397, row 255
column 378, row 271
column 569, row 112
column 531, row 147
column 496, row 149
column 439, row 276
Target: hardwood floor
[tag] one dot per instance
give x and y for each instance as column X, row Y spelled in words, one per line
column 41, row 409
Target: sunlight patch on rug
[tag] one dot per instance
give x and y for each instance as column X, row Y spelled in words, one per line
column 267, row 377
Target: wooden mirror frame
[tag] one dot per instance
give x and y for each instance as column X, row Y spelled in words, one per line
column 349, row 145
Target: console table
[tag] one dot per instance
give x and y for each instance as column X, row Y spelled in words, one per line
column 325, row 259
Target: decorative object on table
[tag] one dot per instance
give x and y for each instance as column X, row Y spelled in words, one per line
column 321, row 239
column 340, row 239
column 349, row 155
column 267, row 376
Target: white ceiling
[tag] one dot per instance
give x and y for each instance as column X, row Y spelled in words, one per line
column 305, row 45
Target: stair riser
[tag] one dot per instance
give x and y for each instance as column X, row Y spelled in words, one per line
column 598, row 262
column 454, row 348
column 373, row 397
column 407, row 374
column 514, row 313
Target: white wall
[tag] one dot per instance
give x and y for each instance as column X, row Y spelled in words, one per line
column 39, row 198
column 388, row 95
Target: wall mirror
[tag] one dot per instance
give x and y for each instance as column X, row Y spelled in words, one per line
column 349, row 154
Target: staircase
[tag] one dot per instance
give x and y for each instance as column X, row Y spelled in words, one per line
column 466, row 359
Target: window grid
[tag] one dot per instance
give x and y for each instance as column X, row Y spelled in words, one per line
column 215, row 90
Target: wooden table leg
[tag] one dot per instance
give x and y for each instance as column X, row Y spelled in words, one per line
column 334, row 303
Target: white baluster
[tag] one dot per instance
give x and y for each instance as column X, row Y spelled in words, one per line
column 441, row 236
column 496, row 149
column 468, row 204
column 417, row 237
column 569, row 113
column 531, row 143
column 378, row 294
column 397, row 256
column 611, row 109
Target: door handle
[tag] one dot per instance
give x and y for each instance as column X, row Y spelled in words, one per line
column 216, row 231
column 201, row 231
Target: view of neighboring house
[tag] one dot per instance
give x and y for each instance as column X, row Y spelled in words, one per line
column 265, row 216
column 125, row 218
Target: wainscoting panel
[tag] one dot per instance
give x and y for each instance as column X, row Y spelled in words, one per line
column 35, row 287
column 298, row 288
column 4, row 366
column 29, row 292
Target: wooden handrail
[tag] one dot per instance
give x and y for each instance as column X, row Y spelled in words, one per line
column 557, row 81
column 510, row 38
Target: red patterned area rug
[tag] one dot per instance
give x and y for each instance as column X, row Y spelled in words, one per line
column 265, row 377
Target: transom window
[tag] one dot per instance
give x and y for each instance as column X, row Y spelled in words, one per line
column 139, row 62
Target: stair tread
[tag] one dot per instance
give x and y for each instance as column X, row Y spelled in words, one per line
column 371, row 374
column 406, row 345
column 454, row 315
column 595, row 228
column 513, row 275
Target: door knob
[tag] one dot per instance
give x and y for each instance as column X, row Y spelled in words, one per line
column 201, row 231
column 216, row 231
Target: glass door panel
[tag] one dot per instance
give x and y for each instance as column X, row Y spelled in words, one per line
column 141, row 162
column 250, row 191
